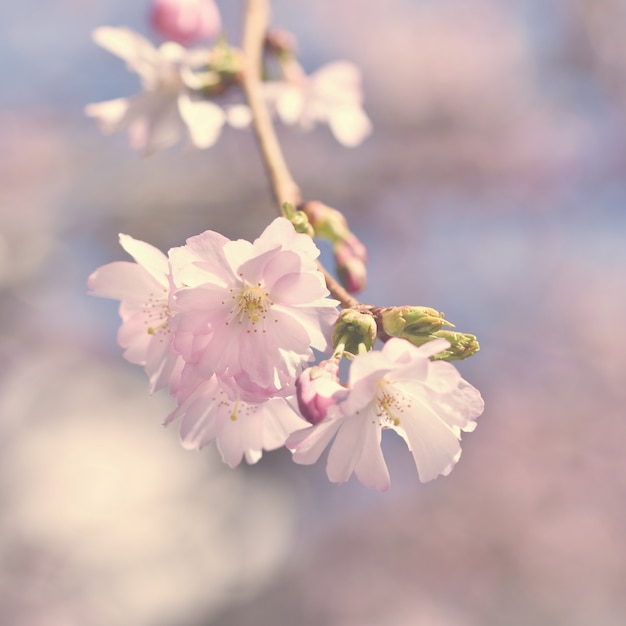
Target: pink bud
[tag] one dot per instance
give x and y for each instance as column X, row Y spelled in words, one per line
column 356, row 247
column 317, row 389
column 185, row 21
column 351, row 256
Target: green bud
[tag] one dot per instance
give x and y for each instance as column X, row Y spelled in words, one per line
column 225, row 59
column 354, row 329
column 462, row 345
column 328, row 222
column 299, row 219
column 411, row 322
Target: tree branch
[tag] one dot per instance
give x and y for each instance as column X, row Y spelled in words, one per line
column 284, row 188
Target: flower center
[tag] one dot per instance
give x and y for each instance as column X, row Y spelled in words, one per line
column 390, row 404
column 251, row 306
column 156, row 315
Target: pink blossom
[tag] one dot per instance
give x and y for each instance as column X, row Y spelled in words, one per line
column 186, row 21
column 317, row 389
column 332, row 95
column 143, row 289
column 213, row 412
column 252, row 311
column 171, row 106
column 427, row 403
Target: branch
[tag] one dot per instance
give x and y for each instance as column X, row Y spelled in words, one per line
column 284, row 188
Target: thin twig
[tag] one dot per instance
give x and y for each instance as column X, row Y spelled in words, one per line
column 283, row 185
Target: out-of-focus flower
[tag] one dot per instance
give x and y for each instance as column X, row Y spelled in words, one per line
column 185, row 21
column 427, row 403
column 170, row 106
column 143, row 289
column 331, row 95
column 215, row 412
column 317, row 389
column 252, row 311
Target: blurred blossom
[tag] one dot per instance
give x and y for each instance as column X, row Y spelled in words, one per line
column 331, row 95
column 170, row 107
column 459, row 59
column 185, row 21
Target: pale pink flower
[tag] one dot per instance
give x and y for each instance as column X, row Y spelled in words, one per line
column 143, row 289
column 317, row 389
column 213, row 412
column 186, row 21
column 427, row 403
column 332, row 95
column 252, row 311
column 170, row 107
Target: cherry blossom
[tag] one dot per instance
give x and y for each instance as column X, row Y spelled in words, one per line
column 170, row 106
column 214, row 412
column 331, row 95
column 143, row 289
column 252, row 311
column 399, row 388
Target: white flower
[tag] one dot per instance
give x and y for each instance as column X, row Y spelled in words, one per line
column 331, row 95
column 169, row 107
column 252, row 311
column 143, row 289
column 213, row 412
column 427, row 403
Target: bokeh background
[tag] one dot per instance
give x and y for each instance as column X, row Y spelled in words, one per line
column 493, row 188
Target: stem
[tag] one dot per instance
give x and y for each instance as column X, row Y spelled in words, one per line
column 284, row 188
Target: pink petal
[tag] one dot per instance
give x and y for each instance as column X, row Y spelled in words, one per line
column 149, row 257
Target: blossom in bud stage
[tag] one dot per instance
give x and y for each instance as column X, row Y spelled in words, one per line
column 354, row 329
column 462, row 345
column 427, row 403
column 214, row 413
column 143, row 289
column 186, row 21
column 331, row 95
column 328, row 223
column 351, row 268
column 170, row 106
column 318, row 388
column 412, row 322
column 350, row 253
column 252, row 311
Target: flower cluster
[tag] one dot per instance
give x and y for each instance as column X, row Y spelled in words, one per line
column 229, row 328
column 193, row 93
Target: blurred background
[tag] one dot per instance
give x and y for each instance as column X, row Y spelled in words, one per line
column 493, row 188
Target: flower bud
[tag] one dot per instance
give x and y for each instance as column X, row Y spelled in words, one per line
column 351, row 269
column 280, row 42
column 327, row 222
column 185, row 21
column 317, row 389
column 462, row 345
column 353, row 329
column 412, row 322
column 299, row 219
